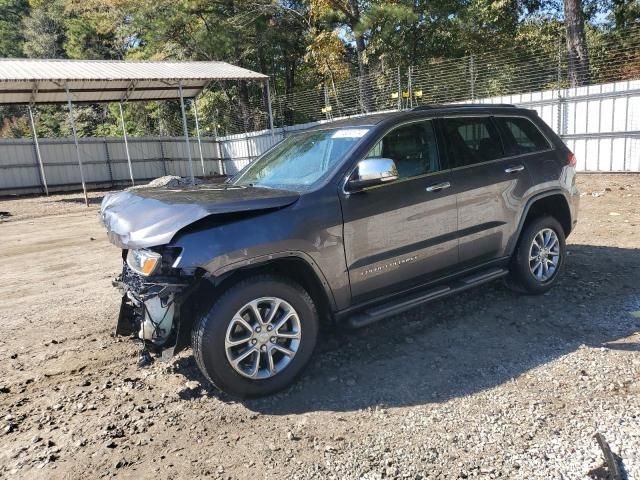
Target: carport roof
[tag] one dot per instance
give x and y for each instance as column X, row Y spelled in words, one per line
column 29, row 81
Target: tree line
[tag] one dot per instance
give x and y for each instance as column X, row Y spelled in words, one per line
column 300, row 44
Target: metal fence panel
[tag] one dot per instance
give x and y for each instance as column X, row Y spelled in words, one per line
column 599, row 123
column 18, row 167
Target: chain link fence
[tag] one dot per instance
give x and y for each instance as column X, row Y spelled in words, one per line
column 612, row 57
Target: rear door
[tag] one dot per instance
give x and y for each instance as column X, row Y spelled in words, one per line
column 490, row 184
column 400, row 234
column 524, row 139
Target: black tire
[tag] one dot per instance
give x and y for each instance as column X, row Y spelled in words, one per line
column 520, row 278
column 208, row 336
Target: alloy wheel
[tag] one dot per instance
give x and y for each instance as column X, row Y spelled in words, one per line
column 544, row 255
column 263, row 337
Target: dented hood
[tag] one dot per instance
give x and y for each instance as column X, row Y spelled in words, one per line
column 147, row 217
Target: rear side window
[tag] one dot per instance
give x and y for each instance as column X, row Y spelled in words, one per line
column 522, row 135
column 471, row 140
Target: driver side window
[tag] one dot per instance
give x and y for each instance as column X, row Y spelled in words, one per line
column 412, row 147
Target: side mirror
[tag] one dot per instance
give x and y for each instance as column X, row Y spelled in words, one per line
column 371, row 172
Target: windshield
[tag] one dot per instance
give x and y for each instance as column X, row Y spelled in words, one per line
column 301, row 161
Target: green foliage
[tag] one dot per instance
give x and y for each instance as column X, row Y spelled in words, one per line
column 301, row 44
column 625, row 13
column 44, row 30
column 84, row 41
column 11, row 39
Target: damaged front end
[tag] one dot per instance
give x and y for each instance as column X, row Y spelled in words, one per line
column 153, row 298
column 162, row 285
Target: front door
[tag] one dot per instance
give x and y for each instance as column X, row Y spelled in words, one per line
column 400, row 234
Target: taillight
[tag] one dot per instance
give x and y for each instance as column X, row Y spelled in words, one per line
column 571, row 159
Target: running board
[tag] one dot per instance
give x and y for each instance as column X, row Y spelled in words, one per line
column 407, row 302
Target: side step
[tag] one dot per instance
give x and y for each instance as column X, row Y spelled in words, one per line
column 407, row 302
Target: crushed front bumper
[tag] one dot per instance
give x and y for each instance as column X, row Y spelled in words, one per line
column 150, row 308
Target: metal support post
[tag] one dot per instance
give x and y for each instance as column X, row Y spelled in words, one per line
column 126, row 144
column 613, row 129
column 399, row 90
column 472, row 79
column 186, row 134
column 626, row 127
column 246, row 139
column 218, row 146
column 37, row 145
column 327, row 104
column 560, row 114
column 75, row 141
column 266, row 85
column 108, row 157
column 195, row 114
column 410, row 88
column 163, row 158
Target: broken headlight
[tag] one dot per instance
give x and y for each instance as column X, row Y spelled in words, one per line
column 143, row 261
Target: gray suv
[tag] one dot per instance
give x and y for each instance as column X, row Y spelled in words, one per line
column 348, row 222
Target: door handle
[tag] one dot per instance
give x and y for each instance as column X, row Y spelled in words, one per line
column 517, row 168
column 438, row 186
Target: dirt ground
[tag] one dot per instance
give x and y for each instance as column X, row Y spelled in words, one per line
column 488, row 384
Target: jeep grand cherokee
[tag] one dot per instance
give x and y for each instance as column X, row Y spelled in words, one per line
column 347, row 222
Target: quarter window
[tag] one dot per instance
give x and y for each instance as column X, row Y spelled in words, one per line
column 471, row 140
column 523, row 135
column 412, row 147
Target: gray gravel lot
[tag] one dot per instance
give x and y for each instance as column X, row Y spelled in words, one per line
column 488, row 384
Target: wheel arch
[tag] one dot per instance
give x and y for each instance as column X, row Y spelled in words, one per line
column 553, row 203
column 296, row 266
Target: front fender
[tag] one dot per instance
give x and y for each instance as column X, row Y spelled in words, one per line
column 266, row 259
column 310, row 230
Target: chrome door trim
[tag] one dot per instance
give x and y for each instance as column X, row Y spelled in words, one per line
column 438, row 187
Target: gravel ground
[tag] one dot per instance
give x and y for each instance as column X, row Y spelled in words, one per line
column 488, row 384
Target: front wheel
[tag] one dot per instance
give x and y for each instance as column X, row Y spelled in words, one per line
column 539, row 256
column 257, row 337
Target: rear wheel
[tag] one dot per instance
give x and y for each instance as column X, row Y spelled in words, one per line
column 257, row 337
column 539, row 256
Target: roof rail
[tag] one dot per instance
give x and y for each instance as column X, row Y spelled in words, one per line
column 434, row 106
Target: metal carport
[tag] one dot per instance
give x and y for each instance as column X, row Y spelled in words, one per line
column 31, row 82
